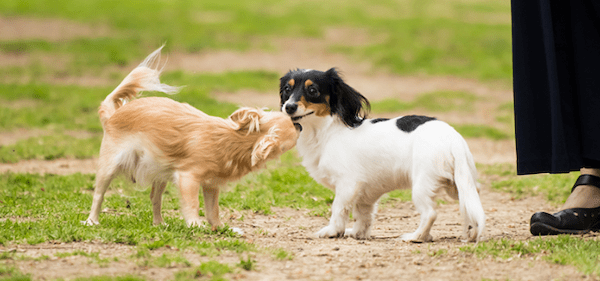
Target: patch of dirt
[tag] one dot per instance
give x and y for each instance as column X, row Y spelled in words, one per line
column 12, row 137
column 63, row 166
column 50, row 29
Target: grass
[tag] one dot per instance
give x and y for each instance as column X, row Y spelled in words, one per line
column 554, row 187
column 128, row 209
column 564, row 249
column 440, row 101
column 51, row 147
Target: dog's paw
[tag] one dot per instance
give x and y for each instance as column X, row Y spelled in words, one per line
column 194, row 222
column 357, row 234
column 416, row 237
column 90, row 222
column 330, row 232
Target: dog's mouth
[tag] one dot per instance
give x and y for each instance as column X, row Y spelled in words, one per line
column 296, row 118
column 298, row 127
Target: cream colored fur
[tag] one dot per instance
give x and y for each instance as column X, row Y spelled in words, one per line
column 155, row 140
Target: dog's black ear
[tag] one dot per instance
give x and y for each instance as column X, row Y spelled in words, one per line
column 350, row 105
column 282, row 83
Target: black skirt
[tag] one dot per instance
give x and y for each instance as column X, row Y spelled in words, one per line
column 556, row 73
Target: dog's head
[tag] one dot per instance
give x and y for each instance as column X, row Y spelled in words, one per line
column 272, row 133
column 307, row 94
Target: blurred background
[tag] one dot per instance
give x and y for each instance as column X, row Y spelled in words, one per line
column 59, row 58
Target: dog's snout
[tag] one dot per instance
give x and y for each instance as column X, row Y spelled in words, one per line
column 290, row 108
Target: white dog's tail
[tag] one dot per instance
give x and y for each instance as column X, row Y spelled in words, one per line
column 142, row 78
column 465, row 177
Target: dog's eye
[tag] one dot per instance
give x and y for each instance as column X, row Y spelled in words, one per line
column 313, row 92
column 286, row 89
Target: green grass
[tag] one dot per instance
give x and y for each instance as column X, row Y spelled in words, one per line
column 286, row 185
column 51, row 147
column 441, row 101
column 481, row 131
column 554, row 187
column 13, row 274
column 31, row 215
column 211, row 270
column 564, row 249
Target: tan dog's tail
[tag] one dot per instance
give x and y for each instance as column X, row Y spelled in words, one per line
column 142, row 78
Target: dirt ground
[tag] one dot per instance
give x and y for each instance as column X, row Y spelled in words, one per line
column 383, row 257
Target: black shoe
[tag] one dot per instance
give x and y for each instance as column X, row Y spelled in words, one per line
column 569, row 221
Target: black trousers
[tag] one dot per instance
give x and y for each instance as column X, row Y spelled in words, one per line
column 556, row 76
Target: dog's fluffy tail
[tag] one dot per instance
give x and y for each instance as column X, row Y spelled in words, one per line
column 465, row 177
column 142, row 78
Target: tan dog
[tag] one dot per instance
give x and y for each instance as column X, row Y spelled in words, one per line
column 155, row 140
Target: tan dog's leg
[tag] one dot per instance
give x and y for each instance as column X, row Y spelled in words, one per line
column 189, row 188
column 211, row 206
column 103, row 178
column 156, row 196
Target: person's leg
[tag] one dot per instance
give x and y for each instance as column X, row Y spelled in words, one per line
column 584, row 196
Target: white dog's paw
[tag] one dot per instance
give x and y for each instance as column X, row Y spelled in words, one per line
column 330, row 232
column 90, row 222
column 357, row 234
column 416, row 237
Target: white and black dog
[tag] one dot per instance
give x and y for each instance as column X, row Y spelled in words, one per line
column 361, row 159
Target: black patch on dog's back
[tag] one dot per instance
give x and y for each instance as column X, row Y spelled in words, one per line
column 411, row 122
column 377, row 120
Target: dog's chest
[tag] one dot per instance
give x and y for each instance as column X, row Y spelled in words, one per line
column 316, row 165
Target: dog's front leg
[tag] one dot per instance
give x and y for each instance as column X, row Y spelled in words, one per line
column 211, row 206
column 342, row 204
column 189, row 189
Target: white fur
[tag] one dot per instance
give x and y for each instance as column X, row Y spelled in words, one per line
column 361, row 164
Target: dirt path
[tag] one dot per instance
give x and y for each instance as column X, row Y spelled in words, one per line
column 382, row 258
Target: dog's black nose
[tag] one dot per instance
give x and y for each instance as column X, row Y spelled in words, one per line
column 290, row 108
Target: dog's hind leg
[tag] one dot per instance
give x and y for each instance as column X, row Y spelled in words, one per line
column 422, row 197
column 156, row 197
column 189, row 190
column 104, row 176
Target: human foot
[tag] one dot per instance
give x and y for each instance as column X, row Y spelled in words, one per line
column 580, row 214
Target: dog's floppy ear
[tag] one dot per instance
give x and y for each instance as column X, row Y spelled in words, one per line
column 265, row 146
column 350, row 105
column 247, row 118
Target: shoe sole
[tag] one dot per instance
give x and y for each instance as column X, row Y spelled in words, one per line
column 538, row 228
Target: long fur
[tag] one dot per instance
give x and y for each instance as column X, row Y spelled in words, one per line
column 155, row 140
column 361, row 159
